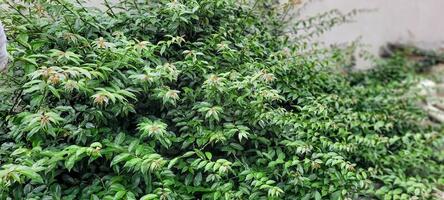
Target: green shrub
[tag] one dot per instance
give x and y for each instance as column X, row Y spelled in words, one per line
column 196, row 99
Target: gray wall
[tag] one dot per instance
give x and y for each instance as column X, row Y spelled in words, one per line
column 418, row 22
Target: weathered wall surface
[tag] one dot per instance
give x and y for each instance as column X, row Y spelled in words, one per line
column 418, row 22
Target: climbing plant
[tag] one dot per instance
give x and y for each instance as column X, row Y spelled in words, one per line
column 197, row 99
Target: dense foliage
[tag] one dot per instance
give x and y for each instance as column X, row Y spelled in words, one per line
column 198, row 99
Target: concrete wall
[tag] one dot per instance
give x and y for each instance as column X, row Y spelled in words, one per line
column 418, row 22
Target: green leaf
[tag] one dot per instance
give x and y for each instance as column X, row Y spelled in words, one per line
column 34, row 176
column 336, row 195
column 208, row 155
column 119, row 195
column 172, row 162
column 317, row 195
column 119, row 138
column 149, row 196
column 119, row 158
column 188, row 154
column 197, row 179
column 70, row 162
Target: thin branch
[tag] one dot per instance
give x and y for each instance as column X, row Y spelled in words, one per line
column 110, row 9
column 80, row 17
column 23, row 15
